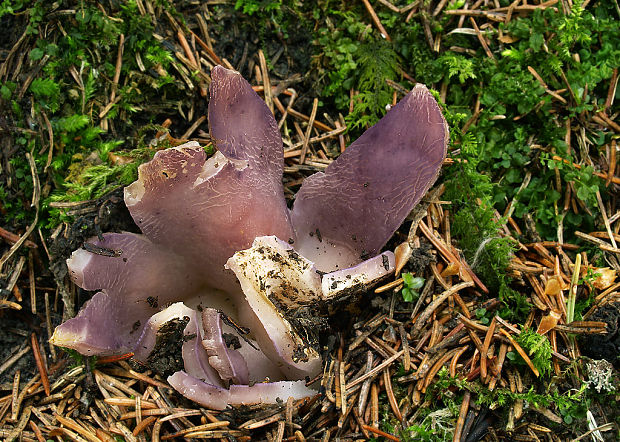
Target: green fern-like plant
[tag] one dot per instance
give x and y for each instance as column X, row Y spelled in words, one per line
column 376, row 62
column 72, row 123
column 47, row 91
column 458, row 65
column 538, row 349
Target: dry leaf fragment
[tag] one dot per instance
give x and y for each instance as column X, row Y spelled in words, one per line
column 555, row 285
column 548, row 322
column 402, row 253
column 603, row 276
column 507, row 38
column 452, row 269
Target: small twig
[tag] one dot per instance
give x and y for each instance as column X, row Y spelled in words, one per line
column 423, row 295
column 375, row 20
column 389, row 285
column 21, row 424
column 460, row 422
column 511, row 206
column 614, row 179
column 70, row 423
column 601, row 207
column 455, row 359
column 482, row 39
column 544, row 85
column 315, row 123
column 611, row 93
column 572, row 291
column 612, row 163
column 32, row 284
column 390, row 6
column 139, row 428
column 16, row 357
column 288, row 107
column 50, row 133
column 428, row 311
column 341, row 142
column 363, row 396
column 188, row 133
column 108, row 107
column 503, row 349
column 15, row 395
column 15, row 274
column 437, row 363
column 381, row 433
column 604, row 427
column 37, row 431
column 206, row 48
column 602, row 244
column 34, row 342
column 266, row 84
column 342, row 390
column 119, row 64
column 128, row 402
column 13, row 238
column 439, row 7
column 485, row 349
column 608, row 121
column 204, row 427
column 102, row 360
column 304, row 148
column 583, row 327
column 318, row 138
column 387, row 383
column 405, row 344
column 375, row 370
column 450, row 257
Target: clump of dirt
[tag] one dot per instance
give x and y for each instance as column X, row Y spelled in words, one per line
column 605, row 346
column 166, row 358
column 421, row 257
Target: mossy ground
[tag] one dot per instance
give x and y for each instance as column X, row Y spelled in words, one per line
column 529, row 93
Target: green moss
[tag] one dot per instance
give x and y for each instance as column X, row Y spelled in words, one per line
column 538, row 349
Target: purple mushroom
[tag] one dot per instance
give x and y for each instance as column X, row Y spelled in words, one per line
column 218, row 236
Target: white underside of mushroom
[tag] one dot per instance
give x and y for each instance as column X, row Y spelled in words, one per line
column 356, row 279
column 271, row 272
column 277, row 270
column 219, row 398
column 277, row 339
column 326, row 254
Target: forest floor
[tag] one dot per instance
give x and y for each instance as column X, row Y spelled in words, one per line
column 503, row 324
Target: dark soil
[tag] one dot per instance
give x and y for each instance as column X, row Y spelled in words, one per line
column 421, row 257
column 11, row 27
column 605, row 346
column 288, row 55
column 166, row 357
column 15, row 337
